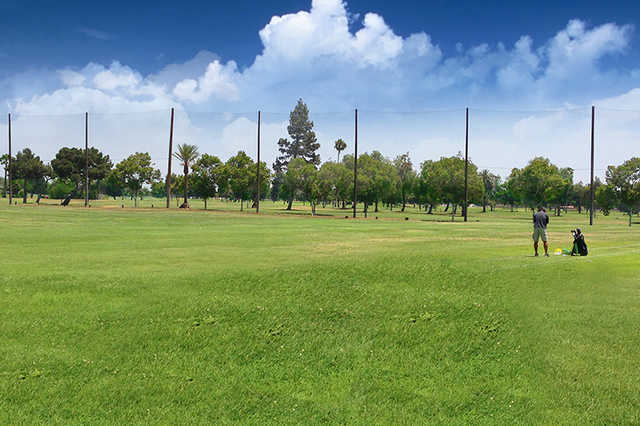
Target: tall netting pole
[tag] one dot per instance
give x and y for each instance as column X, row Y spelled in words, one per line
column 168, row 184
column 466, row 165
column 10, row 168
column 258, row 171
column 593, row 117
column 86, row 159
column 355, row 168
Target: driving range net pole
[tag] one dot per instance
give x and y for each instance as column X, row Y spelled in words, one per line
column 258, row 169
column 168, row 182
column 86, row 159
column 593, row 118
column 466, row 165
column 10, row 164
column 355, row 168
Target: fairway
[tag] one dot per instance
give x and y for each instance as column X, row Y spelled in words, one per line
column 125, row 316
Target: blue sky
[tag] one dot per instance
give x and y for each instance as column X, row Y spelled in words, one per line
column 149, row 35
column 538, row 65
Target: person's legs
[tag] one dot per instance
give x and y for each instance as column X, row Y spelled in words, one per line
column 535, row 241
column 545, row 243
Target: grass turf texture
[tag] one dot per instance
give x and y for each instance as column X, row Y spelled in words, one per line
column 154, row 316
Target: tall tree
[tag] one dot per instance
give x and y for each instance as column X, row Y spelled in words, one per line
column 429, row 184
column 301, row 180
column 624, row 181
column 136, row 171
column 559, row 188
column 606, row 198
column 303, row 143
column 207, row 176
column 238, row 171
column 490, row 182
column 113, row 184
column 187, row 155
column 446, row 178
column 70, row 164
column 265, row 177
column 537, row 183
column 28, row 167
column 577, row 196
column 506, row 194
column 340, row 146
column 4, row 160
column 405, row 174
column 376, row 179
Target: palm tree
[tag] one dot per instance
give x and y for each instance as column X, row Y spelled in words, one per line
column 187, row 154
column 340, row 146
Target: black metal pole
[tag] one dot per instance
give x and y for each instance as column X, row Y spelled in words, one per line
column 258, row 170
column 466, row 165
column 593, row 118
column 168, row 183
column 355, row 168
column 86, row 159
column 10, row 163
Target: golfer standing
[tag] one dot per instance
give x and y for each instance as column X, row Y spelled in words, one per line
column 540, row 222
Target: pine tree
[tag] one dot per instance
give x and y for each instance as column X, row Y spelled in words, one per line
column 302, row 144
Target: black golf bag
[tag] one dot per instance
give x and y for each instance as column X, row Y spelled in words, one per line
column 579, row 245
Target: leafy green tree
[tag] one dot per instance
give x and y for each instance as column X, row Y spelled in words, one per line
column 442, row 181
column 376, row 179
column 405, row 176
column 506, row 195
column 606, row 198
column 238, row 171
column 451, row 173
column 491, row 183
column 4, row 160
column 60, row 188
column 384, row 177
column 311, row 186
column 136, row 171
column 335, row 182
column 578, row 196
column 112, row 185
column 265, row 177
column 301, row 181
column 208, row 177
column 159, row 189
column 340, row 146
column 624, row 181
column 28, row 167
column 559, row 187
column 303, row 144
column 70, row 163
column 187, row 155
column 292, row 180
column 537, row 183
column 41, row 184
column 428, row 184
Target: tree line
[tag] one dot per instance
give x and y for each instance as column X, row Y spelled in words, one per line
column 298, row 174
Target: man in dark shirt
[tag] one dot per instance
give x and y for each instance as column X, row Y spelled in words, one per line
column 540, row 222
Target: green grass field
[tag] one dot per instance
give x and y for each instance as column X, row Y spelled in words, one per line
column 120, row 316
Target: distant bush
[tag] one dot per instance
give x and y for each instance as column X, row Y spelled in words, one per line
column 60, row 189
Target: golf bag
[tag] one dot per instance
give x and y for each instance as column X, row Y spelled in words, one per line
column 579, row 245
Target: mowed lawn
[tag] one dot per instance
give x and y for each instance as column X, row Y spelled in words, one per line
column 123, row 316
